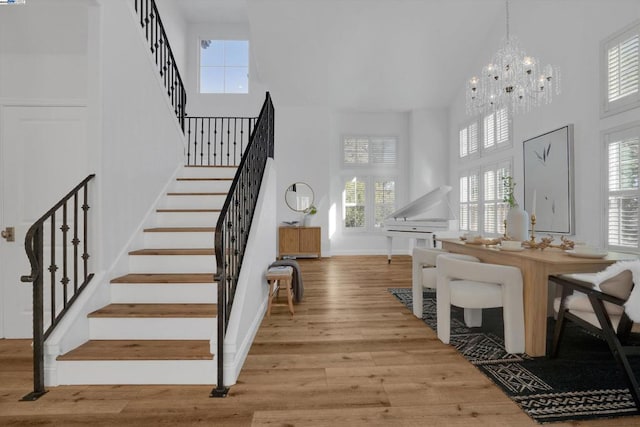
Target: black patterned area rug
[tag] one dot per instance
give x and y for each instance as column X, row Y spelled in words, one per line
column 583, row 382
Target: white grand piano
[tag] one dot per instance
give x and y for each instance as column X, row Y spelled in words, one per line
column 406, row 221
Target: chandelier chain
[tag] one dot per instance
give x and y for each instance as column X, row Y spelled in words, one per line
column 507, row 5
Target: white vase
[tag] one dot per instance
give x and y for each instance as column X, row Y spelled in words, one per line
column 306, row 220
column 518, row 223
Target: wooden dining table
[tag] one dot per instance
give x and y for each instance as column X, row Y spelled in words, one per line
column 536, row 266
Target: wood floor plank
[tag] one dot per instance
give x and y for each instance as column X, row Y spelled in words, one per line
column 352, row 355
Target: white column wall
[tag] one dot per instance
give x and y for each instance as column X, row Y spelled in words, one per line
column 566, row 34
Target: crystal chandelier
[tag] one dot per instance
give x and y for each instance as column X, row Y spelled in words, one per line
column 512, row 80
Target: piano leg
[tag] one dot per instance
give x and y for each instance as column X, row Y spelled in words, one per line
column 389, row 248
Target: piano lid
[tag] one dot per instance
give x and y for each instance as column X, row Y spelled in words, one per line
column 423, row 204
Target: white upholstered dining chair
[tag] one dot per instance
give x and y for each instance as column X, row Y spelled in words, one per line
column 424, row 275
column 475, row 286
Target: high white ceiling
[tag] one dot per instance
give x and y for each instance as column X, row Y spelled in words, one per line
column 371, row 55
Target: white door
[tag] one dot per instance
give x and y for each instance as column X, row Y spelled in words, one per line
column 43, row 155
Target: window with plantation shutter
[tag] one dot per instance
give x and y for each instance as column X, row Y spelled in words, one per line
column 384, row 200
column 370, row 151
column 468, row 139
column 621, row 70
column 469, row 200
column 369, row 193
column 623, row 189
column 496, row 130
column 495, row 209
column 354, row 203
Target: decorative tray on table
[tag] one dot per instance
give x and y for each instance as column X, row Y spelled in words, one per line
column 480, row 241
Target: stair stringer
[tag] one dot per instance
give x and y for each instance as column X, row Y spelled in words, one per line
column 252, row 292
column 73, row 329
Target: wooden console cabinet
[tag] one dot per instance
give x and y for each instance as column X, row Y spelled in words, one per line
column 299, row 241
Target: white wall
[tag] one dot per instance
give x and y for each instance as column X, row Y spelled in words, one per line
column 43, row 51
column 302, row 153
column 569, row 38
column 141, row 139
column 429, row 154
column 363, row 123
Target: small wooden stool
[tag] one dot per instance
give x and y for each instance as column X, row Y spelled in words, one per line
column 275, row 277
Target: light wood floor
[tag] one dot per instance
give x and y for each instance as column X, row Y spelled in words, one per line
column 351, row 356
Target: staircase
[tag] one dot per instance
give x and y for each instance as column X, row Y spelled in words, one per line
column 159, row 326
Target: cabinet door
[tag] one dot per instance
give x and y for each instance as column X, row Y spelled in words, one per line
column 288, row 240
column 310, row 240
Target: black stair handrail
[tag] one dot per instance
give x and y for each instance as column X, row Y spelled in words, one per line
column 234, row 224
column 34, row 244
column 167, row 67
column 217, row 141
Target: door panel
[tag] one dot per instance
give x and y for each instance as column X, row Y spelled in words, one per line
column 43, row 155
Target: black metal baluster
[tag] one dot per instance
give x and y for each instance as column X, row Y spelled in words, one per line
column 75, row 242
column 228, row 140
column 168, row 85
column 146, row 20
column 65, row 274
column 202, row 141
column 85, row 255
column 195, row 141
column 53, row 267
column 221, row 139
column 215, row 145
column 235, row 130
column 208, row 141
column 189, row 142
column 152, row 26
column 242, row 121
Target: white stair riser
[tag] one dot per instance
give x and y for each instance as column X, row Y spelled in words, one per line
column 160, row 293
column 181, row 240
column 151, row 328
column 208, row 172
column 193, row 202
column 201, row 186
column 136, row 372
column 160, row 264
column 187, row 219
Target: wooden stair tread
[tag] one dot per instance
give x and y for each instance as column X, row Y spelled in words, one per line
column 165, row 278
column 187, row 210
column 204, row 251
column 180, row 229
column 157, row 310
column 140, row 350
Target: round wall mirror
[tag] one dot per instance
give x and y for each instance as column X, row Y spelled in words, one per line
column 299, row 196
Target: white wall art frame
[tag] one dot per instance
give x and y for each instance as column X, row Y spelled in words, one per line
column 548, row 178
